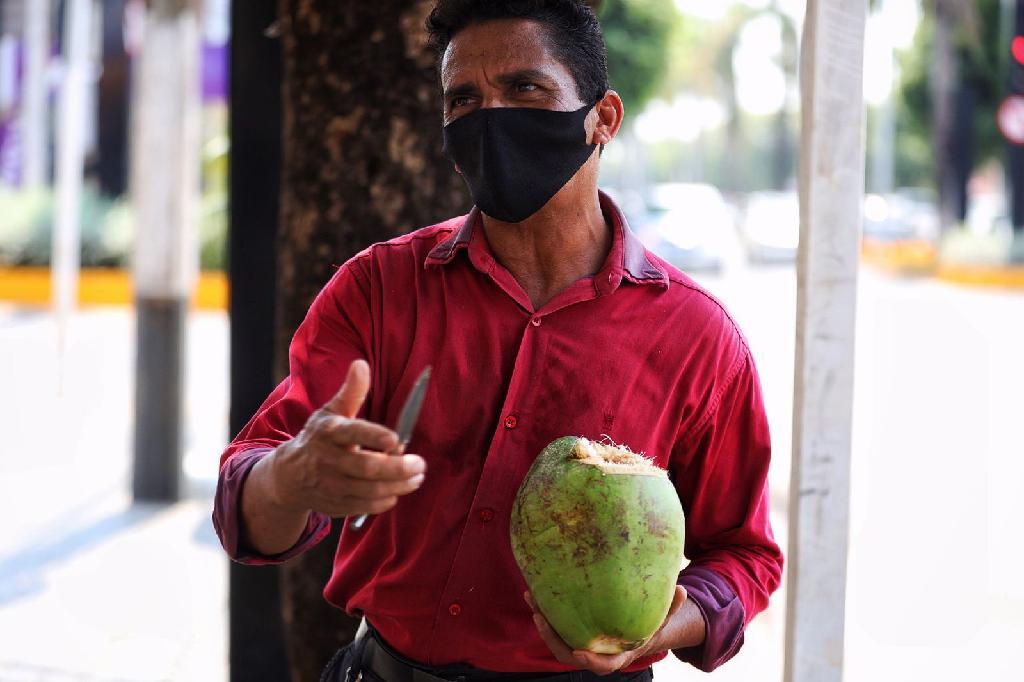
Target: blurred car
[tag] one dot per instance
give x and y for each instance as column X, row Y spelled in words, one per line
column 686, row 223
column 771, row 227
column 630, row 201
column 905, row 215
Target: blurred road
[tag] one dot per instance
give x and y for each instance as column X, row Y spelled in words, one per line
column 937, row 475
column 92, row 588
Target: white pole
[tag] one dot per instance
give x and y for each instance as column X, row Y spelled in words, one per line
column 165, row 152
column 65, row 258
column 831, row 195
column 33, row 122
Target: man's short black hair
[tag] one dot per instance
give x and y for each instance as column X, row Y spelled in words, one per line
column 573, row 34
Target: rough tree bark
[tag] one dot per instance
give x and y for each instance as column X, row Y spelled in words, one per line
column 362, row 163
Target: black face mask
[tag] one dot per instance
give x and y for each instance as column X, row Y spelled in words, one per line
column 515, row 159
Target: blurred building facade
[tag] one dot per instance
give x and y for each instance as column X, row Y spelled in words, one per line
column 116, row 35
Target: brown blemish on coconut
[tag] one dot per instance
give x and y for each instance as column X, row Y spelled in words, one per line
column 656, row 525
column 589, row 540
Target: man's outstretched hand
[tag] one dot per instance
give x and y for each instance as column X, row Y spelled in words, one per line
column 338, row 465
column 604, row 664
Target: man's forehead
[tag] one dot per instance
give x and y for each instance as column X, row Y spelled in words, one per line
column 503, row 45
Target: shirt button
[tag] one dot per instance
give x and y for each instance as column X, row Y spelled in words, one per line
column 535, row 321
column 611, row 277
column 511, row 421
column 454, row 609
column 486, row 515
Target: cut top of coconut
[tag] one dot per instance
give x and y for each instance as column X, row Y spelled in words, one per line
column 614, row 459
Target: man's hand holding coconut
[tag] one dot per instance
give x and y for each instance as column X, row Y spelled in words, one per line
column 673, row 634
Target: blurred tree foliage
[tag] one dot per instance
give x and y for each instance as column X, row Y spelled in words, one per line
column 701, row 63
column 980, row 60
column 638, row 34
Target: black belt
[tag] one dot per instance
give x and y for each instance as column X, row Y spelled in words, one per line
column 388, row 665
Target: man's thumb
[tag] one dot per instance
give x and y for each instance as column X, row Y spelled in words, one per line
column 349, row 398
column 678, row 598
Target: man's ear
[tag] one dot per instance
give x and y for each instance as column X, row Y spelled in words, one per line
column 609, row 117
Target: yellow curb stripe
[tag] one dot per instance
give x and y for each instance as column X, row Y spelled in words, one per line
column 912, row 256
column 977, row 275
column 921, row 258
column 101, row 286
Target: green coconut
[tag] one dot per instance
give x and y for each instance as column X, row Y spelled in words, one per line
column 598, row 531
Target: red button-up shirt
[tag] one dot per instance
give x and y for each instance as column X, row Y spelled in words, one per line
column 637, row 352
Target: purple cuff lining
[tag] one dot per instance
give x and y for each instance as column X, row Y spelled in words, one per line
column 723, row 618
column 227, row 514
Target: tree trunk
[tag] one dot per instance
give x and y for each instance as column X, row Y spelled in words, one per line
column 1015, row 153
column 362, row 163
column 951, row 110
column 783, row 166
column 733, row 177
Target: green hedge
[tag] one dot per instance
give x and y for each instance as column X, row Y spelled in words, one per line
column 107, row 228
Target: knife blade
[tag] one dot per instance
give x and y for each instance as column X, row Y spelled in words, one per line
column 411, row 409
column 406, row 422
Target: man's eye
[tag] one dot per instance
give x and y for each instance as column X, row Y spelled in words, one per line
column 459, row 101
column 526, row 87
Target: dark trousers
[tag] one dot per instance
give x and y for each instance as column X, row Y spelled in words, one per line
column 372, row 658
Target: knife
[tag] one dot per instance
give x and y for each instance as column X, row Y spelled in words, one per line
column 406, row 422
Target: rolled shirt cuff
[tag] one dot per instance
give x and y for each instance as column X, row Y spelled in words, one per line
column 227, row 514
column 723, row 618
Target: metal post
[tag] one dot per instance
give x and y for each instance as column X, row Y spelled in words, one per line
column 164, row 187
column 831, row 192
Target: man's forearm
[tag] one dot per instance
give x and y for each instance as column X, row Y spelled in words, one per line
column 266, row 526
column 685, row 629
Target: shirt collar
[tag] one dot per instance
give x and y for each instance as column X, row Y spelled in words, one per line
column 627, row 259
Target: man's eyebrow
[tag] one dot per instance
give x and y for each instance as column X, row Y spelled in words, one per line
column 460, row 90
column 508, row 78
column 513, row 77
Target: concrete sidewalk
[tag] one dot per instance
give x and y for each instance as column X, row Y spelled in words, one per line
column 92, row 587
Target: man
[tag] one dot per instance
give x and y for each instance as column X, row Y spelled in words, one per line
column 542, row 315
